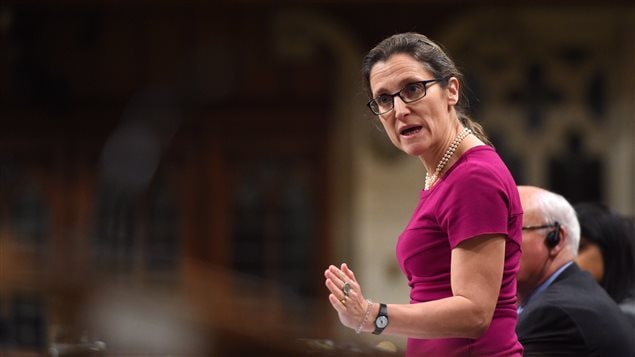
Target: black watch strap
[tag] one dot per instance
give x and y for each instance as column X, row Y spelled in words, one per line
column 381, row 321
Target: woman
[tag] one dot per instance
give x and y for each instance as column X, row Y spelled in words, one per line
column 461, row 249
column 606, row 251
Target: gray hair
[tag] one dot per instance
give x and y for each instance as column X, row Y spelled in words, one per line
column 555, row 208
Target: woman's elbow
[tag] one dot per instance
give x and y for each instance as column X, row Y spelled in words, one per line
column 478, row 323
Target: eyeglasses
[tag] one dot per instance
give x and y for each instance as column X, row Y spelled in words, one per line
column 410, row 93
column 531, row 228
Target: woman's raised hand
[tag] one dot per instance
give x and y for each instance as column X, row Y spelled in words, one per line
column 346, row 296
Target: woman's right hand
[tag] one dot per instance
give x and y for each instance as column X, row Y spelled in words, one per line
column 346, row 296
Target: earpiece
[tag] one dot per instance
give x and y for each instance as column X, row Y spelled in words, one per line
column 553, row 237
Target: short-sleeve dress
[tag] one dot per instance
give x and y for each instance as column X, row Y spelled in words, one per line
column 476, row 196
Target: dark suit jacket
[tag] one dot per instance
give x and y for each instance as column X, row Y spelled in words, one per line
column 574, row 316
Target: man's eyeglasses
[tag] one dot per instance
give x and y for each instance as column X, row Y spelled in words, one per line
column 531, row 228
column 411, row 92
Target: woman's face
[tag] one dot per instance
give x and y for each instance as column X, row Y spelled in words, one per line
column 418, row 126
column 590, row 259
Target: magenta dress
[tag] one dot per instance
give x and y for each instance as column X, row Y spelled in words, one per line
column 476, row 196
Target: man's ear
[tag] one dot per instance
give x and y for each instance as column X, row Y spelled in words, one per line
column 562, row 242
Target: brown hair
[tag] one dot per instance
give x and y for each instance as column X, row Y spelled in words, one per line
column 422, row 49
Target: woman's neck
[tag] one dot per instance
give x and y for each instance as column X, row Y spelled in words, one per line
column 458, row 144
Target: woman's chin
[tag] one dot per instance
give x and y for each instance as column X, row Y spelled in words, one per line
column 412, row 147
column 412, row 150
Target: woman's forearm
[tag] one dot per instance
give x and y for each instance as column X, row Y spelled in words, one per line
column 450, row 317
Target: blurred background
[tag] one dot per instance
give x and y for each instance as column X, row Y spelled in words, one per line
column 175, row 176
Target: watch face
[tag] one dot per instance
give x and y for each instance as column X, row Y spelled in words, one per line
column 381, row 321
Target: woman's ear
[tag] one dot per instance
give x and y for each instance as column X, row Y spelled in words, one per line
column 453, row 91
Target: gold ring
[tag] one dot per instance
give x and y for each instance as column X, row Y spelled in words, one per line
column 343, row 301
column 346, row 288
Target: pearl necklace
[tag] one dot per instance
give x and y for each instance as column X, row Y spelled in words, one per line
column 431, row 179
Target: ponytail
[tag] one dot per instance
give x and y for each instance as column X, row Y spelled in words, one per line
column 476, row 128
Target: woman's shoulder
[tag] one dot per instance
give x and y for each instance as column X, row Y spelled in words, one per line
column 481, row 169
column 479, row 160
column 480, row 154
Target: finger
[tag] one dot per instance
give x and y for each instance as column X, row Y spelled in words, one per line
column 336, row 275
column 337, row 303
column 335, row 290
column 332, row 286
column 331, row 272
column 327, row 271
column 345, row 285
column 351, row 277
column 348, row 272
column 340, row 274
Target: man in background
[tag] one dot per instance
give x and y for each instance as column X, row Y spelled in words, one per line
column 562, row 310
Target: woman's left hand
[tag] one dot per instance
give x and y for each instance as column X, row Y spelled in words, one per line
column 346, row 295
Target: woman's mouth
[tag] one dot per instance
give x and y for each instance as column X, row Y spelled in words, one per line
column 409, row 131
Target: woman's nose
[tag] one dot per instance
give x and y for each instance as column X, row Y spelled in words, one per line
column 400, row 107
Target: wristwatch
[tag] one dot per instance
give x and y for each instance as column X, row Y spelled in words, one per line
column 381, row 321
